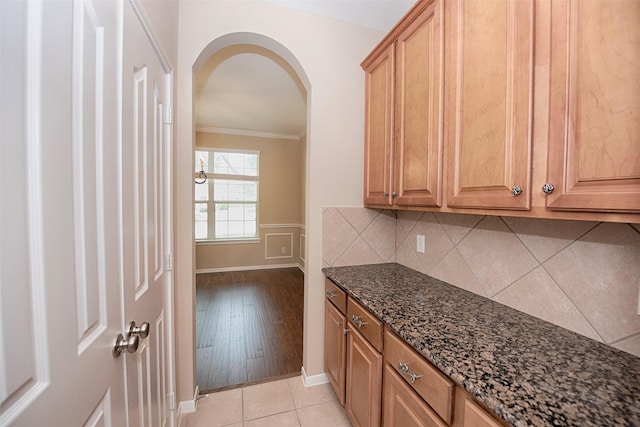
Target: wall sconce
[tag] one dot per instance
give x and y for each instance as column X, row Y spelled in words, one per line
column 202, row 176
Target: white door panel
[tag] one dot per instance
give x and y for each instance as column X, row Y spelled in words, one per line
column 144, row 168
column 59, row 263
column 83, row 216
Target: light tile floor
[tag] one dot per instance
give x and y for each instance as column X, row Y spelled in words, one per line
column 274, row 404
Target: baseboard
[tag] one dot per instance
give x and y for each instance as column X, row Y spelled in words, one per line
column 249, row 267
column 310, row 381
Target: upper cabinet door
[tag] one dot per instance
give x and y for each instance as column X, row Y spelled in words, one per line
column 378, row 154
column 418, row 110
column 489, row 60
column 594, row 116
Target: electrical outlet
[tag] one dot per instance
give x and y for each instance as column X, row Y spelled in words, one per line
column 420, row 243
column 283, row 250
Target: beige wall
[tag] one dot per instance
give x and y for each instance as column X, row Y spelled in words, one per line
column 281, row 197
column 326, row 54
column 583, row 276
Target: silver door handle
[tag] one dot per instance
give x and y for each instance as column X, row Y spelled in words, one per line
column 130, row 344
column 142, row 330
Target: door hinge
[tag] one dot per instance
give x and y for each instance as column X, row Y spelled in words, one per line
column 169, row 265
column 171, row 397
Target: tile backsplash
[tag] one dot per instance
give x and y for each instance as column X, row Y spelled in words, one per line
column 583, row 276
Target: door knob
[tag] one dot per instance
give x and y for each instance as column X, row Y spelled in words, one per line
column 142, row 330
column 129, row 344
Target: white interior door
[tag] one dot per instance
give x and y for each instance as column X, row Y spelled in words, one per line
column 60, row 258
column 146, row 207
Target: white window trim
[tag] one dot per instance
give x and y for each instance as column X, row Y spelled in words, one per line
column 211, row 203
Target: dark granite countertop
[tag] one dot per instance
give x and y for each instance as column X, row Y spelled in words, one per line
column 528, row 371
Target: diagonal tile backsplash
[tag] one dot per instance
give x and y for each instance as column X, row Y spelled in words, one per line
column 357, row 236
column 583, row 276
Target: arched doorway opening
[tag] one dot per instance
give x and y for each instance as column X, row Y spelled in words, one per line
column 271, row 235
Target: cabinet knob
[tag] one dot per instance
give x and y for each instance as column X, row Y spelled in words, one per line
column 331, row 294
column 548, row 188
column 394, row 194
column 385, row 194
column 516, row 191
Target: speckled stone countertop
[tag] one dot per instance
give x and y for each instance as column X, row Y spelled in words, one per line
column 528, row 371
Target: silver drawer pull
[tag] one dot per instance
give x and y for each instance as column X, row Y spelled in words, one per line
column 356, row 319
column 404, row 368
column 331, row 294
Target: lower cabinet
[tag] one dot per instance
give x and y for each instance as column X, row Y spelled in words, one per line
column 335, row 346
column 402, row 406
column 364, row 381
column 415, row 392
column 469, row 413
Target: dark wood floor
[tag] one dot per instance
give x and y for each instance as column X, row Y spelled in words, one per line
column 248, row 326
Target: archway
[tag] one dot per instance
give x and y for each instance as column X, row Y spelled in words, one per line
column 224, row 46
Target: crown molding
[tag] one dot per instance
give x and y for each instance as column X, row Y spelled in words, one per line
column 241, row 132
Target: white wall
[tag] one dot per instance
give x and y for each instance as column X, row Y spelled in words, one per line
column 326, row 53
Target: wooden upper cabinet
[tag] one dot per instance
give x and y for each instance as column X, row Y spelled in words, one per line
column 594, row 116
column 489, row 59
column 419, row 91
column 404, row 117
column 378, row 130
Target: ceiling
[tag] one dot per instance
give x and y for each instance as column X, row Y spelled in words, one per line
column 246, row 89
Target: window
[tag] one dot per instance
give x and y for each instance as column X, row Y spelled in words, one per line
column 226, row 206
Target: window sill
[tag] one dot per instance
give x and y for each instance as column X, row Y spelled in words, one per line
column 228, row 242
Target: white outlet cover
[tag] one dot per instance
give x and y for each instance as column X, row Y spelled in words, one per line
column 420, row 243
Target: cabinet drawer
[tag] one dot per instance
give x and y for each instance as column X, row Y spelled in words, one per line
column 429, row 383
column 365, row 323
column 336, row 295
column 401, row 405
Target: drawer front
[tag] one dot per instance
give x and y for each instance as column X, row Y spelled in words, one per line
column 425, row 379
column 366, row 323
column 336, row 295
column 401, row 405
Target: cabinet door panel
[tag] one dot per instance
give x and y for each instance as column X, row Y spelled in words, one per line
column 419, row 101
column 594, row 120
column 335, row 349
column 364, row 382
column 489, row 112
column 378, row 158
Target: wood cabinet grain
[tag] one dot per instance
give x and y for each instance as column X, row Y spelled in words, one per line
column 364, row 382
column 403, row 119
column 335, row 349
column 489, row 110
column 473, row 105
column 594, row 108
